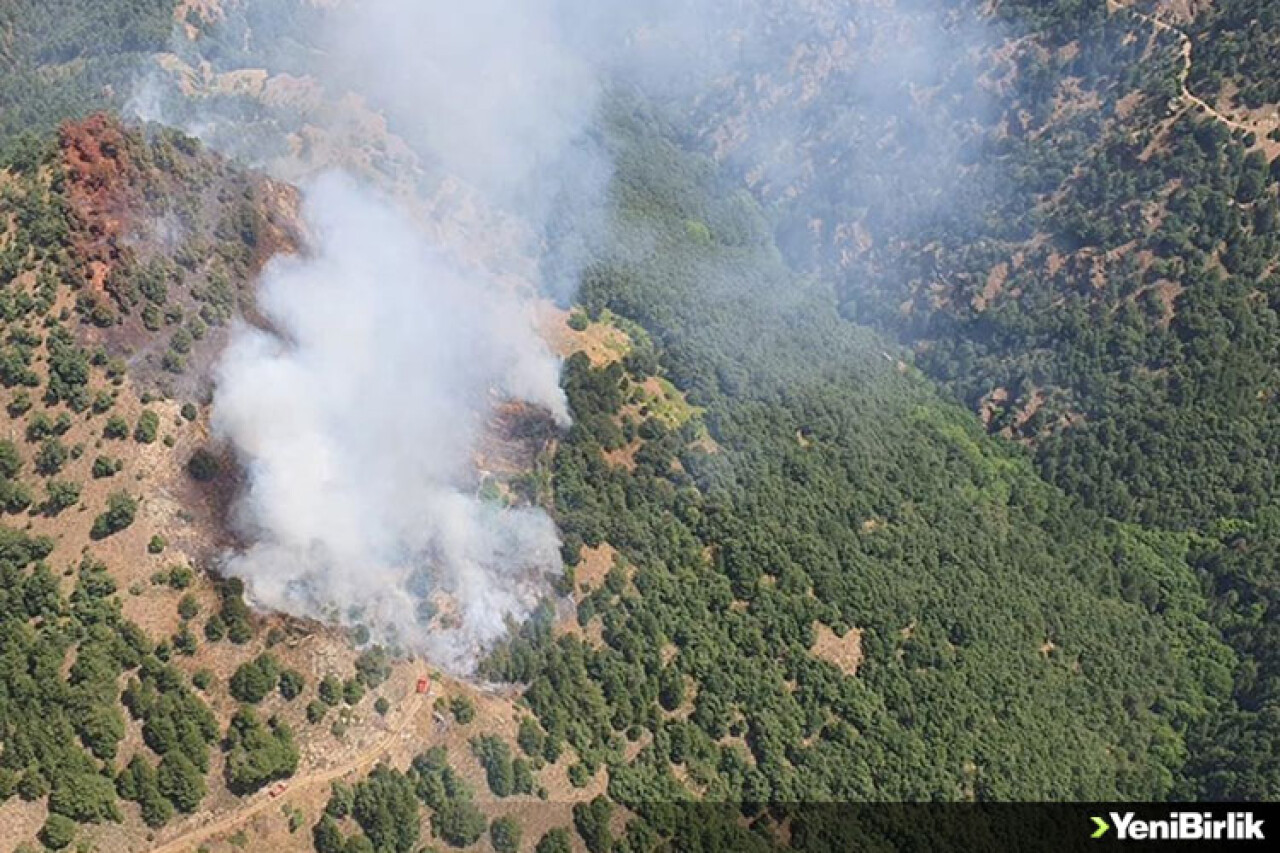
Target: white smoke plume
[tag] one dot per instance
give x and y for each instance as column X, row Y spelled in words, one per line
column 357, row 407
column 356, row 418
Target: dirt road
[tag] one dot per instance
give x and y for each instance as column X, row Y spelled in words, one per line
column 1185, row 40
column 262, row 801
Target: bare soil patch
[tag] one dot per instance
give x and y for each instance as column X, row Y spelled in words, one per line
column 844, row 652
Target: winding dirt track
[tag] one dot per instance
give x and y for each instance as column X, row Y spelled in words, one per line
column 298, row 784
column 1187, row 94
column 1185, row 40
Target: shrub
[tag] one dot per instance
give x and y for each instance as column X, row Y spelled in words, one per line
column 254, row 679
column 203, row 466
column 116, row 428
column 121, row 510
column 148, row 427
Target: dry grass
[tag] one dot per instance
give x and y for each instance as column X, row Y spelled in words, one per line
column 592, row 569
column 601, row 341
column 844, row 652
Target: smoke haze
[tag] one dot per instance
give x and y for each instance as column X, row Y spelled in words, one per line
column 357, row 415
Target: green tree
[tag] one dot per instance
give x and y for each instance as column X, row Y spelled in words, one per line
column 10, row 459
column 188, row 607
column 555, row 841
column 326, row 837
column 592, row 822
column 85, row 797
column 51, row 456
column 459, row 822
column 504, row 835
column 530, row 737
column 373, row 666
column 331, row 690
column 121, row 510
column 115, row 428
column 292, row 683
column 495, row 756
column 203, row 466
column 463, row 709
column 256, row 753
column 60, row 495
column 57, row 832
column 254, row 679
column 386, row 808
column 180, row 782
column 147, row 428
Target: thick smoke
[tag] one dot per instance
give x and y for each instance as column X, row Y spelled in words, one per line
column 358, row 411
column 356, row 417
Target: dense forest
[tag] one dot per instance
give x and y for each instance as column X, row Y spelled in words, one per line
column 63, row 58
column 1095, row 280
column 845, row 496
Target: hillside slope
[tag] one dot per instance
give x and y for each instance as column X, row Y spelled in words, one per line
column 1071, row 225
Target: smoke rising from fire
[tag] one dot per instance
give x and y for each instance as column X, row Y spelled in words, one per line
column 357, row 408
column 356, row 418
